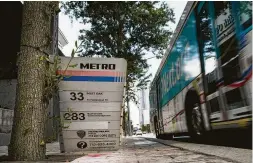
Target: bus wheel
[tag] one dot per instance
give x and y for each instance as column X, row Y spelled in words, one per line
column 156, row 131
column 156, row 127
column 196, row 121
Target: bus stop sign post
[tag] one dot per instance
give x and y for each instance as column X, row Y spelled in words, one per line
column 91, row 96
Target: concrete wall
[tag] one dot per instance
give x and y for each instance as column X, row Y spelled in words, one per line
column 7, row 105
column 8, row 93
column 6, row 119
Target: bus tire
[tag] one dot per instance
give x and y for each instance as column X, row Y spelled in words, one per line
column 156, row 127
column 194, row 117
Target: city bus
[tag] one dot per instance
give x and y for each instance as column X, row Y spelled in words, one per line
column 204, row 80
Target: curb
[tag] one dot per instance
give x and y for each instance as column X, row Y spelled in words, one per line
column 236, row 155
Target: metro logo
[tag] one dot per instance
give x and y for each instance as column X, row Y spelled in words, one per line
column 175, row 72
column 98, row 66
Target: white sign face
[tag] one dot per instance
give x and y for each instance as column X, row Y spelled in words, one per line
column 115, row 125
column 75, row 145
column 95, row 86
column 77, row 116
column 80, row 106
column 95, row 134
column 91, row 96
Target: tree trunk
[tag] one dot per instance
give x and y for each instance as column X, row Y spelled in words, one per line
column 128, row 116
column 124, row 122
column 28, row 132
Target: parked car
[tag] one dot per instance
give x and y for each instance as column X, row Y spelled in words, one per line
column 138, row 132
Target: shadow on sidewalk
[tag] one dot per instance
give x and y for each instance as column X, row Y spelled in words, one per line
column 50, row 158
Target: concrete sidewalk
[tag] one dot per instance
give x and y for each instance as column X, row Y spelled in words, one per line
column 147, row 150
column 140, row 150
column 53, row 154
column 52, row 148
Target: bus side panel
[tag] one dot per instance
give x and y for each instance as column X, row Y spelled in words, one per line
column 152, row 126
column 182, row 67
column 165, row 112
column 153, row 107
column 198, row 85
column 246, row 63
column 235, row 66
column 174, row 112
column 183, row 115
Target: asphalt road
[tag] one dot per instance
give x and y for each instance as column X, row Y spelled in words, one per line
column 228, row 138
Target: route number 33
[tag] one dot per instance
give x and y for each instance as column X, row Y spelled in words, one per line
column 76, row 96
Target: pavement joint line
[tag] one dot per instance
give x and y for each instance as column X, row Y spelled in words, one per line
column 197, row 152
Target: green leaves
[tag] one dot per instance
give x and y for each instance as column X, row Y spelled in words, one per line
column 76, row 44
column 73, row 66
column 73, row 53
column 123, row 29
column 43, row 58
column 42, row 143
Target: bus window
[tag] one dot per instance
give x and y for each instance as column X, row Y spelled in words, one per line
column 207, row 48
column 226, row 41
column 246, row 14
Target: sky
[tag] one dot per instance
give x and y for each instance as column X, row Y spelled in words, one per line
column 71, row 32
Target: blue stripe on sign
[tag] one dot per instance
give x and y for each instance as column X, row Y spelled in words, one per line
column 90, row 78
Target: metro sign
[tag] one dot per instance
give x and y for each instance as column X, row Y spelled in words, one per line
column 91, row 100
column 98, row 66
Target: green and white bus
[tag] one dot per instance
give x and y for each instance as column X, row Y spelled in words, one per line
column 204, row 80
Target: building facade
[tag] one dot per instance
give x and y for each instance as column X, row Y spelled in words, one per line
column 10, row 31
column 143, row 108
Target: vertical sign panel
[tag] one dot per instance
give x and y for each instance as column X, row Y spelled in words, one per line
column 91, row 96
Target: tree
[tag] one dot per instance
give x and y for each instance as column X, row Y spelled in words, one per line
column 125, row 29
column 143, row 128
column 124, row 125
column 33, row 93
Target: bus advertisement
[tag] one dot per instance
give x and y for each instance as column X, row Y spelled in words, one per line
column 204, row 80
